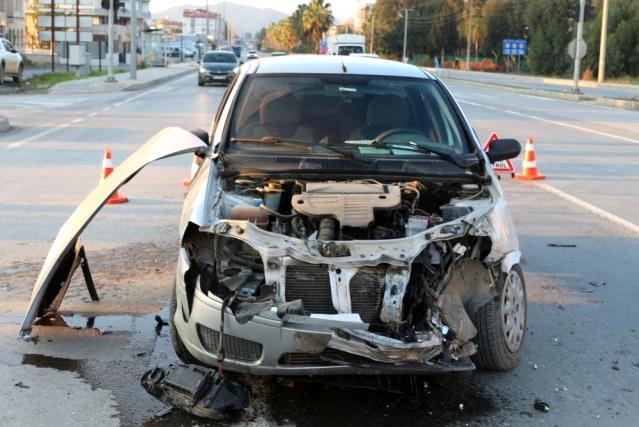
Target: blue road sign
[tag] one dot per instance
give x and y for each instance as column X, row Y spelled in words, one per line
column 514, row 47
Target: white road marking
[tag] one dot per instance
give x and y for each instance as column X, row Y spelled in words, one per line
column 591, row 208
column 474, row 104
column 106, row 109
column 31, row 138
column 95, row 113
column 81, row 119
column 568, row 125
column 539, row 98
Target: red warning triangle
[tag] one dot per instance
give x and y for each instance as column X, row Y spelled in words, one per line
column 505, row 166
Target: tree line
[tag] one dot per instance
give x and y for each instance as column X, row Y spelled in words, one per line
column 439, row 29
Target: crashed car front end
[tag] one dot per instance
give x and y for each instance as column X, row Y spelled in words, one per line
column 329, row 277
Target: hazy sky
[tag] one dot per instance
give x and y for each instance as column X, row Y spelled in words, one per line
column 342, row 9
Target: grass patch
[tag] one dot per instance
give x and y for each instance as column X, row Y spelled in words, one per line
column 46, row 80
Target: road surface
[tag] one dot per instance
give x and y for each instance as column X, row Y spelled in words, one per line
column 582, row 345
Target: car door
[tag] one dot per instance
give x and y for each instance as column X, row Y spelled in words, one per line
column 12, row 59
column 52, row 282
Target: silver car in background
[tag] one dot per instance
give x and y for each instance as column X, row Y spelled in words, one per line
column 11, row 62
column 344, row 220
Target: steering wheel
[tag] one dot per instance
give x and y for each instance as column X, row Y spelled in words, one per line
column 389, row 132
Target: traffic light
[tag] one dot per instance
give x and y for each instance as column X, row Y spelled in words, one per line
column 116, row 5
column 573, row 12
column 590, row 12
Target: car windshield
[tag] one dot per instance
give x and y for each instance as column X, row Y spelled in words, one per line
column 368, row 115
column 219, row 57
column 347, row 50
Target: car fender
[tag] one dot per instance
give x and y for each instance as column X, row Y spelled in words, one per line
column 50, row 285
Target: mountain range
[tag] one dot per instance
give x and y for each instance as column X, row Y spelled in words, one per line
column 245, row 19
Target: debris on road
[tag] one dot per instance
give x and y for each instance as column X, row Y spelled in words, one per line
column 197, row 390
column 597, row 283
column 561, row 245
column 21, row 385
column 541, row 406
column 159, row 324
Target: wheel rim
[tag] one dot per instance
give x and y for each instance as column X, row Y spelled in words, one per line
column 513, row 311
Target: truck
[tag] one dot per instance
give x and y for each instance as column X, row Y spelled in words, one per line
column 345, row 44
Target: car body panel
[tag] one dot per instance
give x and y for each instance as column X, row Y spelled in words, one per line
column 168, row 142
column 12, row 61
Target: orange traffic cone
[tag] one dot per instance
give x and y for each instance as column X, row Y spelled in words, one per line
column 529, row 165
column 107, row 168
column 195, row 166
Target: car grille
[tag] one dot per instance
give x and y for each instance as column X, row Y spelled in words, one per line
column 311, row 284
column 320, row 359
column 367, row 292
column 234, row 347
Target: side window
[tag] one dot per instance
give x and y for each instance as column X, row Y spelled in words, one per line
column 7, row 46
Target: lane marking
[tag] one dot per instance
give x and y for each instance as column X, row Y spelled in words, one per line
column 568, row 125
column 591, row 208
column 95, row 113
column 81, row 119
column 31, row 138
column 539, row 98
column 474, row 104
column 106, row 109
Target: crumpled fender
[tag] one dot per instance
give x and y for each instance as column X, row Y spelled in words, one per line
column 169, row 142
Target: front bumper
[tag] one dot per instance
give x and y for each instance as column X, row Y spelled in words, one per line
column 213, row 77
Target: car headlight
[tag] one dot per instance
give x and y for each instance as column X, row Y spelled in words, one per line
column 236, row 69
column 203, row 70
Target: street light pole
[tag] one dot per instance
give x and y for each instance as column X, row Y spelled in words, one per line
column 372, row 34
column 580, row 31
column 469, row 29
column 110, row 77
column 602, row 47
column 134, row 39
column 404, row 59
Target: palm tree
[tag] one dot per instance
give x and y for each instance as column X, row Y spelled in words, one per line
column 317, row 19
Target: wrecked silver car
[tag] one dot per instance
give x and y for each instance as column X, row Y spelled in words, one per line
column 344, row 220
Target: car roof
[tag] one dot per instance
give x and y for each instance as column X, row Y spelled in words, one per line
column 332, row 64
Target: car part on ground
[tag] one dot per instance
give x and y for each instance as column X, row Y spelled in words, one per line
column 199, row 391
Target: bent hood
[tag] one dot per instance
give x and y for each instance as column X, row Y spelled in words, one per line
column 51, row 284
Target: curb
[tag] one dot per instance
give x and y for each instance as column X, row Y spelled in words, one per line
column 625, row 104
column 151, row 83
column 4, row 124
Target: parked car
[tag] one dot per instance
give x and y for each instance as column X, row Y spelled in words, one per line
column 344, row 220
column 11, row 62
column 217, row 67
column 251, row 55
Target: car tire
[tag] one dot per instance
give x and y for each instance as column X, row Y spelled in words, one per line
column 200, row 83
column 501, row 324
column 18, row 78
column 178, row 346
column 1, row 74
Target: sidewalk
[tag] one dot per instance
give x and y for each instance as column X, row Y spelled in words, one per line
column 624, row 96
column 146, row 78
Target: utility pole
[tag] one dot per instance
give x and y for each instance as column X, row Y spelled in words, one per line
column 602, row 47
column 52, row 36
column 110, row 77
column 206, row 32
column 468, row 31
column 77, row 21
column 580, row 31
column 372, row 34
column 404, row 58
column 134, row 38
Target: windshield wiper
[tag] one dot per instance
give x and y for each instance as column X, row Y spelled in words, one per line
column 296, row 143
column 271, row 140
column 411, row 146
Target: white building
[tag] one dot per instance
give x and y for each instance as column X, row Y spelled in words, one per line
column 194, row 21
column 12, row 21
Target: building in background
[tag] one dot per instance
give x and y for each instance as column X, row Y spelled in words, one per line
column 194, row 21
column 361, row 14
column 81, row 21
column 12, row 21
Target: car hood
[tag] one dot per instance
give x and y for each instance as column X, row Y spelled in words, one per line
column 62, row 259
column 218, row 66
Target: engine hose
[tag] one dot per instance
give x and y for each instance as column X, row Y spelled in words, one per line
column 327, row 229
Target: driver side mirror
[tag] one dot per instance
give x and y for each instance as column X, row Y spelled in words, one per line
column 13, row 51
column 503, row 149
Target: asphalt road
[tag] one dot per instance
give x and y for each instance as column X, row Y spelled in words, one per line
column 582, row 346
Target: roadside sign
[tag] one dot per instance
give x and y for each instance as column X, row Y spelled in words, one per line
column 514, row 47
column 505, row 166
column 583, row 48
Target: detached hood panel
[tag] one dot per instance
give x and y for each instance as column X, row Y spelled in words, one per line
column 50, row 285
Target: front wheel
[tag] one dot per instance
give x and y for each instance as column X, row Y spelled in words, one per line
column 1, row 74
column 501, row 324
column 18, row 77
